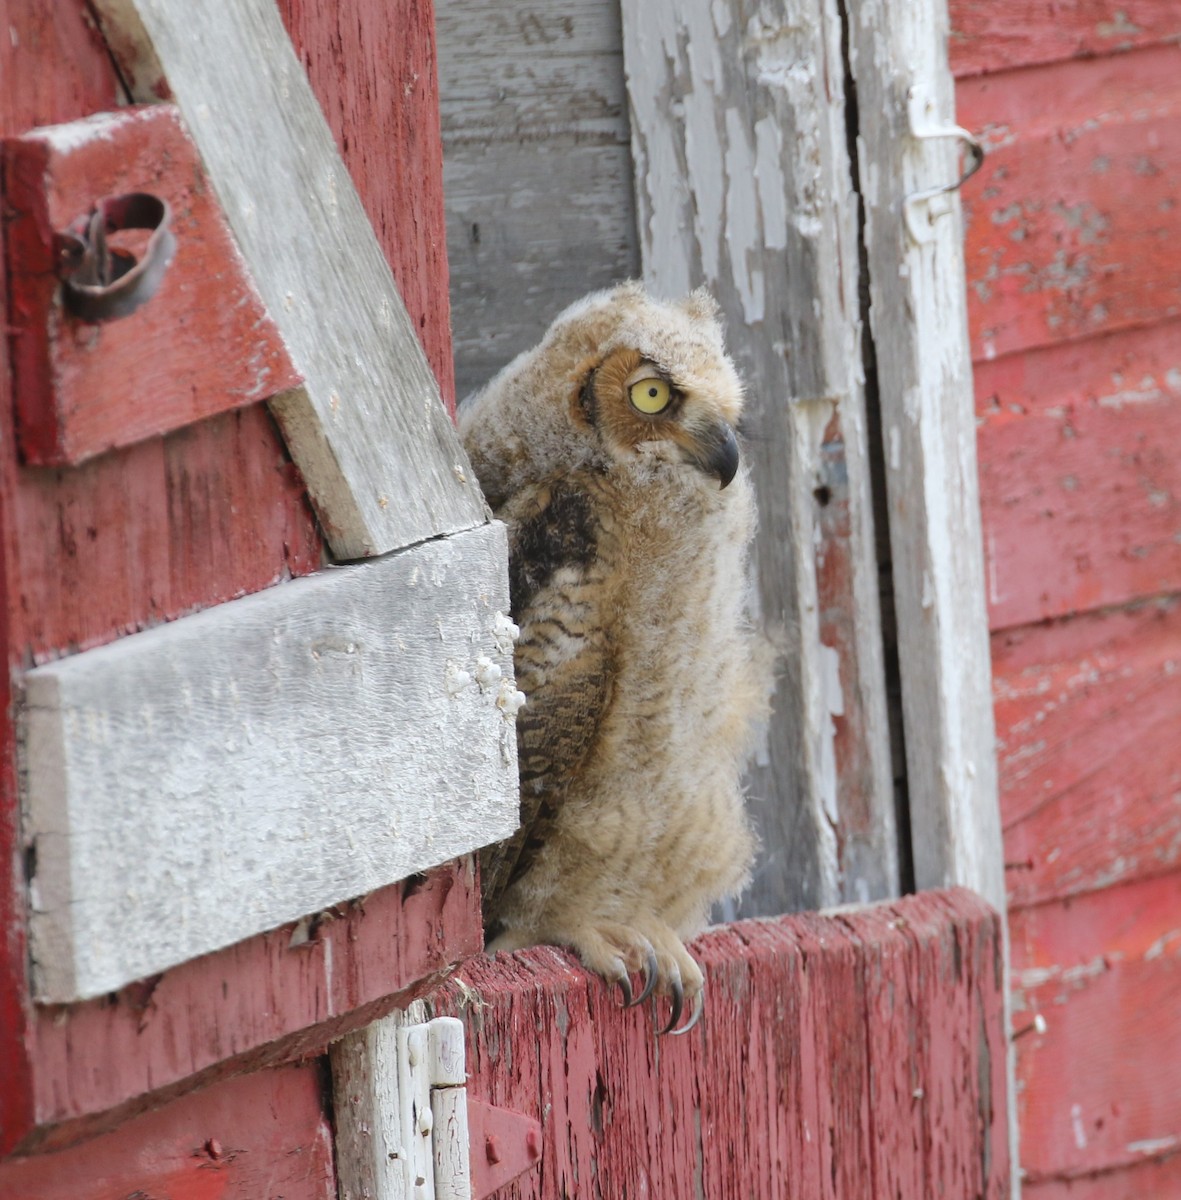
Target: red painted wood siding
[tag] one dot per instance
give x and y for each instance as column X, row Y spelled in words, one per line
column 1073, row 248
column 856, row 1056
column 159, row 529
column 252, row 1138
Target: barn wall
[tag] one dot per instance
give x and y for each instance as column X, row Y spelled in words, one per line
column 1075, row 309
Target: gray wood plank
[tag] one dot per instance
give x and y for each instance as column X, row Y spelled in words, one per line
column 536, row 169
column 920, row 331
column 743, row 183
column 203, row 781
column 368, row 432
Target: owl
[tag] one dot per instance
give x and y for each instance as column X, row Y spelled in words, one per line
column 609, row 451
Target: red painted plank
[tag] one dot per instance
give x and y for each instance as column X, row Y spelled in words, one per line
column 1149, row 1181
column 1080, row 486
column 263, row 1000
column 997, row 35
column 1098, row 1091
column 800, row 1081
column 252, row 1138
column 202, row 345
column 1073, row 225
column 79, row 81
column 373, row 67
column 1090, row 765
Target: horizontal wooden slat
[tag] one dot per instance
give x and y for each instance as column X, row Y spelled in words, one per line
column 1160, row 1180
column 203, row 344
column 1098, row 1091
column 997, row 35
column 377, row 451
column 1072, row 224
column 1090, row 762
column 210, row 779
column 1079, row 482
column 263, row 1135
column 151, row 532
column 263, row 1000
column 849, row 1055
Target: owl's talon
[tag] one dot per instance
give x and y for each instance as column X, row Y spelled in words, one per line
column 625, row 986
column 650, row 971
column 678, row 1000
column 694, row 1017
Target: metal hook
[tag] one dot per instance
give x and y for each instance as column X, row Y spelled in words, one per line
column 920, row 108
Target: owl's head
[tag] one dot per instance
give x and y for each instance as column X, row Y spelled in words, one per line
column 619, row 379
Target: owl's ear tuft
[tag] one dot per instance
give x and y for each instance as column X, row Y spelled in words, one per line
column 699, row 305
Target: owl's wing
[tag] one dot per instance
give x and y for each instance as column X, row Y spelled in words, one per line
column 562, row 663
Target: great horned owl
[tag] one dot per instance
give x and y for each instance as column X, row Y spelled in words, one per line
column 609, row 452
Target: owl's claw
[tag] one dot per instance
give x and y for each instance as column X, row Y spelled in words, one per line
column 694, row 1017
column 678, row 999
column 651, row 971
column 625, row 986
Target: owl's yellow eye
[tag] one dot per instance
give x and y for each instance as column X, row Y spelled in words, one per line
column 650, row 396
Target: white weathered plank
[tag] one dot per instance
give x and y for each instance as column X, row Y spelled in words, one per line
column 920, row 330
column 918, row 298
column 743, row 183
column 373, row 1156
column 368, row 432
column 450, row 1137
column 536, row 168
column 200, row 782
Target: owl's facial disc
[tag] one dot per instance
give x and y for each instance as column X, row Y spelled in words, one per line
column 638, row 409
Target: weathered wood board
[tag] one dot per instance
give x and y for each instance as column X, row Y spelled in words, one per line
column 917, row 314
column 1072, row 227
column 374, row 71
column 201, row 345
column 380, row 458
column 1088, row 719
column 856, row 1054
column 1098, row 1091
column 537, row 171
column 133, row 537
column 999, row 35
column 1080, row 486
column 267, row 999
column 262, row 1135
column 719, row 101
column 210, row 779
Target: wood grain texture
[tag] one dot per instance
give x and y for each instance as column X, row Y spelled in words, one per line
column 925, row 388
column 1090, row 768
column 1080, row 488
column 133, row 537
column 210, row 779
column 373, row 69
column 538, row 179
column 203, row 344
column 998, row 35
column 263, row 1135
column 1098, row 1090
column 268, row 999
column 718, row 100
column 375, row 447
column 1072, row 229
column 846, row 1056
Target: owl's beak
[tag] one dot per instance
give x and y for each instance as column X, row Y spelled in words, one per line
column 717, row 453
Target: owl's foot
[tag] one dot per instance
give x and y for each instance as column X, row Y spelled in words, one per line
column 616, row 952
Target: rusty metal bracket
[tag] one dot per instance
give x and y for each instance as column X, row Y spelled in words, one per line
column 100, row 282
column 923, row 208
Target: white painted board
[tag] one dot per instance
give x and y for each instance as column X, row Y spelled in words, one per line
column 372, row 440
column 201, row 782
column 743, row 183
